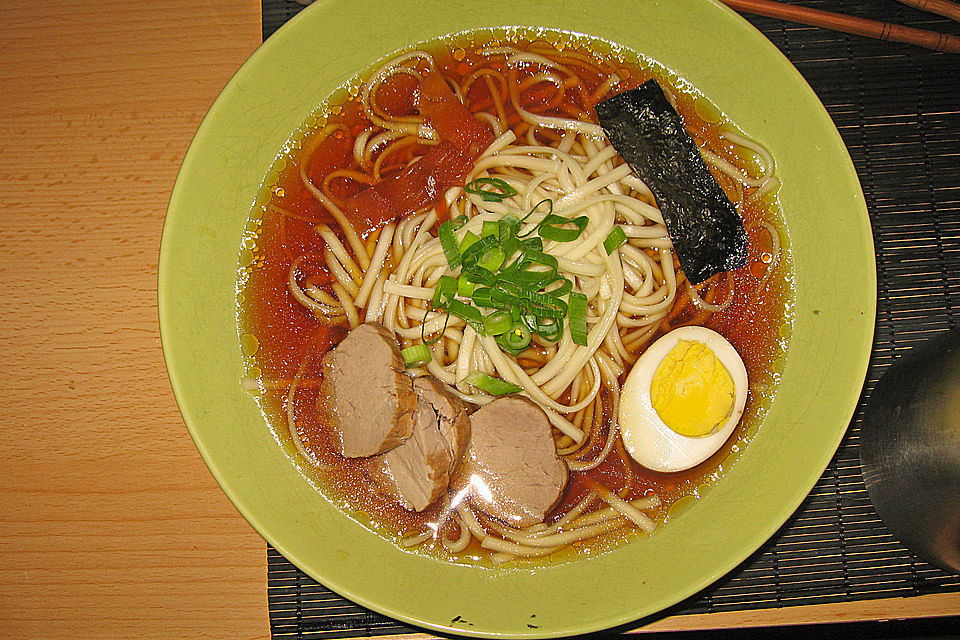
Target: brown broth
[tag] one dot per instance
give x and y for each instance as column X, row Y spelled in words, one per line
column 277, row 333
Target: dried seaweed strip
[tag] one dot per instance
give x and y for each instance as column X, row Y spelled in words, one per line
column 706, row 230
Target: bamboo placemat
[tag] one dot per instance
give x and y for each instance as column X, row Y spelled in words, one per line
column 898, row 110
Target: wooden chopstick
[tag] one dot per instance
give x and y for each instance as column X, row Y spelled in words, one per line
column 944, row 8
column 849, row 24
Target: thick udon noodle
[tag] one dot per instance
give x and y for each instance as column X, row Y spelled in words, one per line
column 633, row 294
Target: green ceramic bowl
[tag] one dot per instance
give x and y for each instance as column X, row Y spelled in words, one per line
column 728, row 61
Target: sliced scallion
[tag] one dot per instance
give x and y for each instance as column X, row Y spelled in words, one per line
column 475, row 250
column 469, row 238
column 449, row 243
column 503, row 299
column 464, row 287
column 481, row 297
column 496, row 193
column 614, row 240
column 423, row 325
column 544, row 269
column 492, row 259
column 444, row 292
column 493, row 386
column 468, row 313
column 416, row 356
column 497, row 322
column 550, row 329
column 507, row 227
column 515, row 340
column 577, row 317
column 545, row 304
column 556, row 228
column 478, row 275
column 563, row 287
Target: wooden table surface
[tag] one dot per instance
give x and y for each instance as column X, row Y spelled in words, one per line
column 110, row 524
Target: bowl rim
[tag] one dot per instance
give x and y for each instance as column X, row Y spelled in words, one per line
column 833, row 323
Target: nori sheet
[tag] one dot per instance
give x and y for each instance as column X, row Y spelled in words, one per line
column 706, row 230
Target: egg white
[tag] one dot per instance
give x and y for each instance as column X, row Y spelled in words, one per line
column 646, row 437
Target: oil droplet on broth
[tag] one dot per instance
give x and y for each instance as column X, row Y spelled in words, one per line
column 459, row 54
column 707, row 111
column 246, row 258
column 679, row 506
column 249, row 344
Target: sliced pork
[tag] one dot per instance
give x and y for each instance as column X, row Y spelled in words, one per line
column 512, row 471
column 454, row 419
column 373, row 397
column 417, row 472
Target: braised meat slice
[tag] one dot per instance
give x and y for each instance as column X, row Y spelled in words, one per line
column 373, row 397
column 512, row 470
column 454, row 421
column 417, row 472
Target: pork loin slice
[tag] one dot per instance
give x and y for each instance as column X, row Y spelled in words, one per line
column 512, row 468
column 454, row 421
column 373, row 397
column 417, row 472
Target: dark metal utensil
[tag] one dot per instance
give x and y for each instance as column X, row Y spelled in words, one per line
column 910, row 450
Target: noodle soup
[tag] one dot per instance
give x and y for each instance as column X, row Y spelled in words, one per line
column 328, row 250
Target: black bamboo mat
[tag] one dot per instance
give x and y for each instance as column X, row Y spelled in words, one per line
column 898, row 110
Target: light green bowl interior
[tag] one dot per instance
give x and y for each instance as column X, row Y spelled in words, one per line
column 736, row 68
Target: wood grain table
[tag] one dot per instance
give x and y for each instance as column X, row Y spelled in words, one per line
column 110, row 524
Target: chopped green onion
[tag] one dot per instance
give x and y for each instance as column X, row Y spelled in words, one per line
column 416, row 356
column 445, row 291
column 546, row 311
column 614, row 239
column 504, row 284
column 563, row 289
column 497, row 322
column 546, row 273
column 478, row 275
column 533, row 244
column 468, row 239
column 507, row 227
column 532, row 211
column 468, row 313
column 423, row 324
column 510, row 274
column 475, row 250
column 502, row 299
column 449, row 243
column 493, row 386
column 464, row 287
column 475, row 187
column 550, row 329
column 492, row 259
column 515, row 340
column 545, row 304
column 577, row 317
column 555, row 228
column 481, row 297
column 511, row 246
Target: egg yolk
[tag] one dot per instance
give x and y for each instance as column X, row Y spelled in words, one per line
column 691, row 390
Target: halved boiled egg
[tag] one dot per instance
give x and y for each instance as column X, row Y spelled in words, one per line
column 682, row 399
